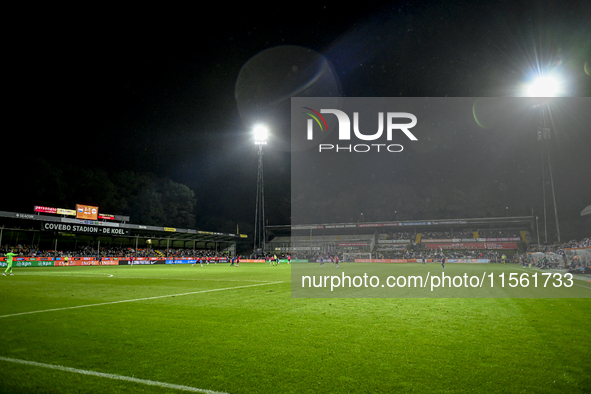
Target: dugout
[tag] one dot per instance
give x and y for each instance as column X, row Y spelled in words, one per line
column 44, row 232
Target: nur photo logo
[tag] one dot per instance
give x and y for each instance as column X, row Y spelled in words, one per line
column 392, row 125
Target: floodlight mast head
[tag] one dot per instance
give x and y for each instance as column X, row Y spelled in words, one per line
column 260, row 135
column 544, row 86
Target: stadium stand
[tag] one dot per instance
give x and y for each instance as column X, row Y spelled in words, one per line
column 54, row 235
column 411, row 238
column 87, row 251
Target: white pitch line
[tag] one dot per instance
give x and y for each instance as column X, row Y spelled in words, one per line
column 112, row 376
column 103, row 275
column 197, row 279
column 100, row 275
column 139, row 299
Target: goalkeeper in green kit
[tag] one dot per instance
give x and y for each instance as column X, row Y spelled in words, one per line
column 9, row 257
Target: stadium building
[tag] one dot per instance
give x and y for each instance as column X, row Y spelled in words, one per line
column 382, row 239
column 55, row 229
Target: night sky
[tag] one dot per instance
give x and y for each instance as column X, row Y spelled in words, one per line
column 155, row 89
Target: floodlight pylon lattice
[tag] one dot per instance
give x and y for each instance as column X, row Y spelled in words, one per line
column 259, row 216
column 544, row 136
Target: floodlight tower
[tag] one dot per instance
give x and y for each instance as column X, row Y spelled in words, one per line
column 260, row 139
column 545, row 86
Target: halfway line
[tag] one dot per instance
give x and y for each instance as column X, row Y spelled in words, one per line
column 140, row 299
column 111, row 376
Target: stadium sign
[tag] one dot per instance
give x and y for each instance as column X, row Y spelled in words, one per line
column 24, row 216
column 298, row 249
column 81, row 212
column 86, row 212
column 69, row 212
column 306, row 227
column 472, row 245
column 471, row 240
column 42, row 209
column 84, row 229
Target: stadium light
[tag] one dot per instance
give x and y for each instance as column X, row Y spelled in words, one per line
column 260, row 134
column 544, row 86
column 548, row 85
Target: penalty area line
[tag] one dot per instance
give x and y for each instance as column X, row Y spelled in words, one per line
column 112, row 376
column 140, row 299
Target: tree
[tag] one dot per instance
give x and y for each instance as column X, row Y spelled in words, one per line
column 150, row 200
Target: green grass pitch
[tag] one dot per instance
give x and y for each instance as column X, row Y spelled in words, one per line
column 238, row 330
